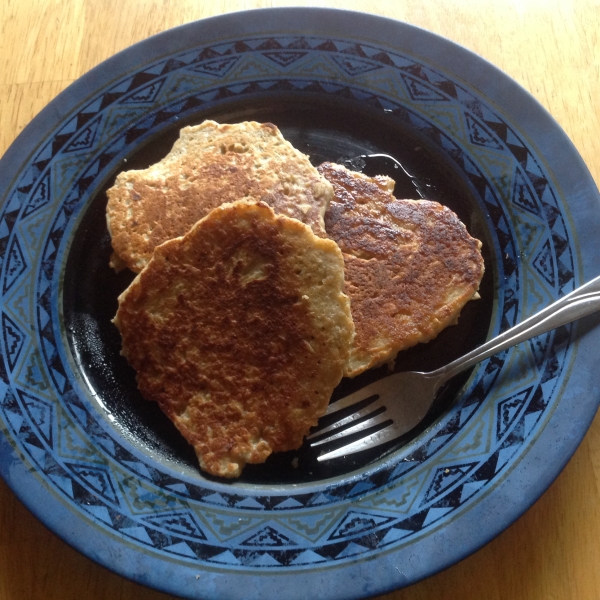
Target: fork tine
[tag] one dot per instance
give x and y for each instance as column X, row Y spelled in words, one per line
column 370, row 441
column 376, row 420
column 359, row 414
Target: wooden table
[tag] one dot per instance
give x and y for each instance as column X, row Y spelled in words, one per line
column 551, row 47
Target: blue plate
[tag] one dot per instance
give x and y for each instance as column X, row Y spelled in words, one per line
column 108, row 473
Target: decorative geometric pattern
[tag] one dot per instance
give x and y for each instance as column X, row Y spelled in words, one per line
column 40, row 196
column 16, row 265
column 508, row 411
column 268, row 537
column 51, row 421
column 14, row 339
column 355, row 522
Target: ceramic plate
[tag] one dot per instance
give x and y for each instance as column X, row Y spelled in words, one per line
column 107, row 472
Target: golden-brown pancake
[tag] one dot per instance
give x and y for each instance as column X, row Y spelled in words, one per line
column 410, row 265
column 211, row 164
column 240, row 330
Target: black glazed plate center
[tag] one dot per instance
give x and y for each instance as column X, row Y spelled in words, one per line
column 324, row 130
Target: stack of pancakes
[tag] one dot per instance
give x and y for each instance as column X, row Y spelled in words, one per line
column 262, row 281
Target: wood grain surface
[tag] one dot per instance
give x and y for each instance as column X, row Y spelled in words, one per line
column 551, row 47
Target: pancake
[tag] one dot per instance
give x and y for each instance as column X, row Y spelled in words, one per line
column 410, row 265
column 240, row 330
column 211, row 164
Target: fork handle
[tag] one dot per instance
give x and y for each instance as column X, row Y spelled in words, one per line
column 584, row 290
column 591, row 286
column 559, row 313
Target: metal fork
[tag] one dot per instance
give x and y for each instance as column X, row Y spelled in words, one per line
column 402, row 400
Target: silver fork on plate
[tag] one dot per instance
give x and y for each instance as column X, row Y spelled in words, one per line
column 401, row 401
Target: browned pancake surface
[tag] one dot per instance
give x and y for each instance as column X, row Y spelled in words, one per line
column 211, row 164
column 240, row 331
column 410, row 265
